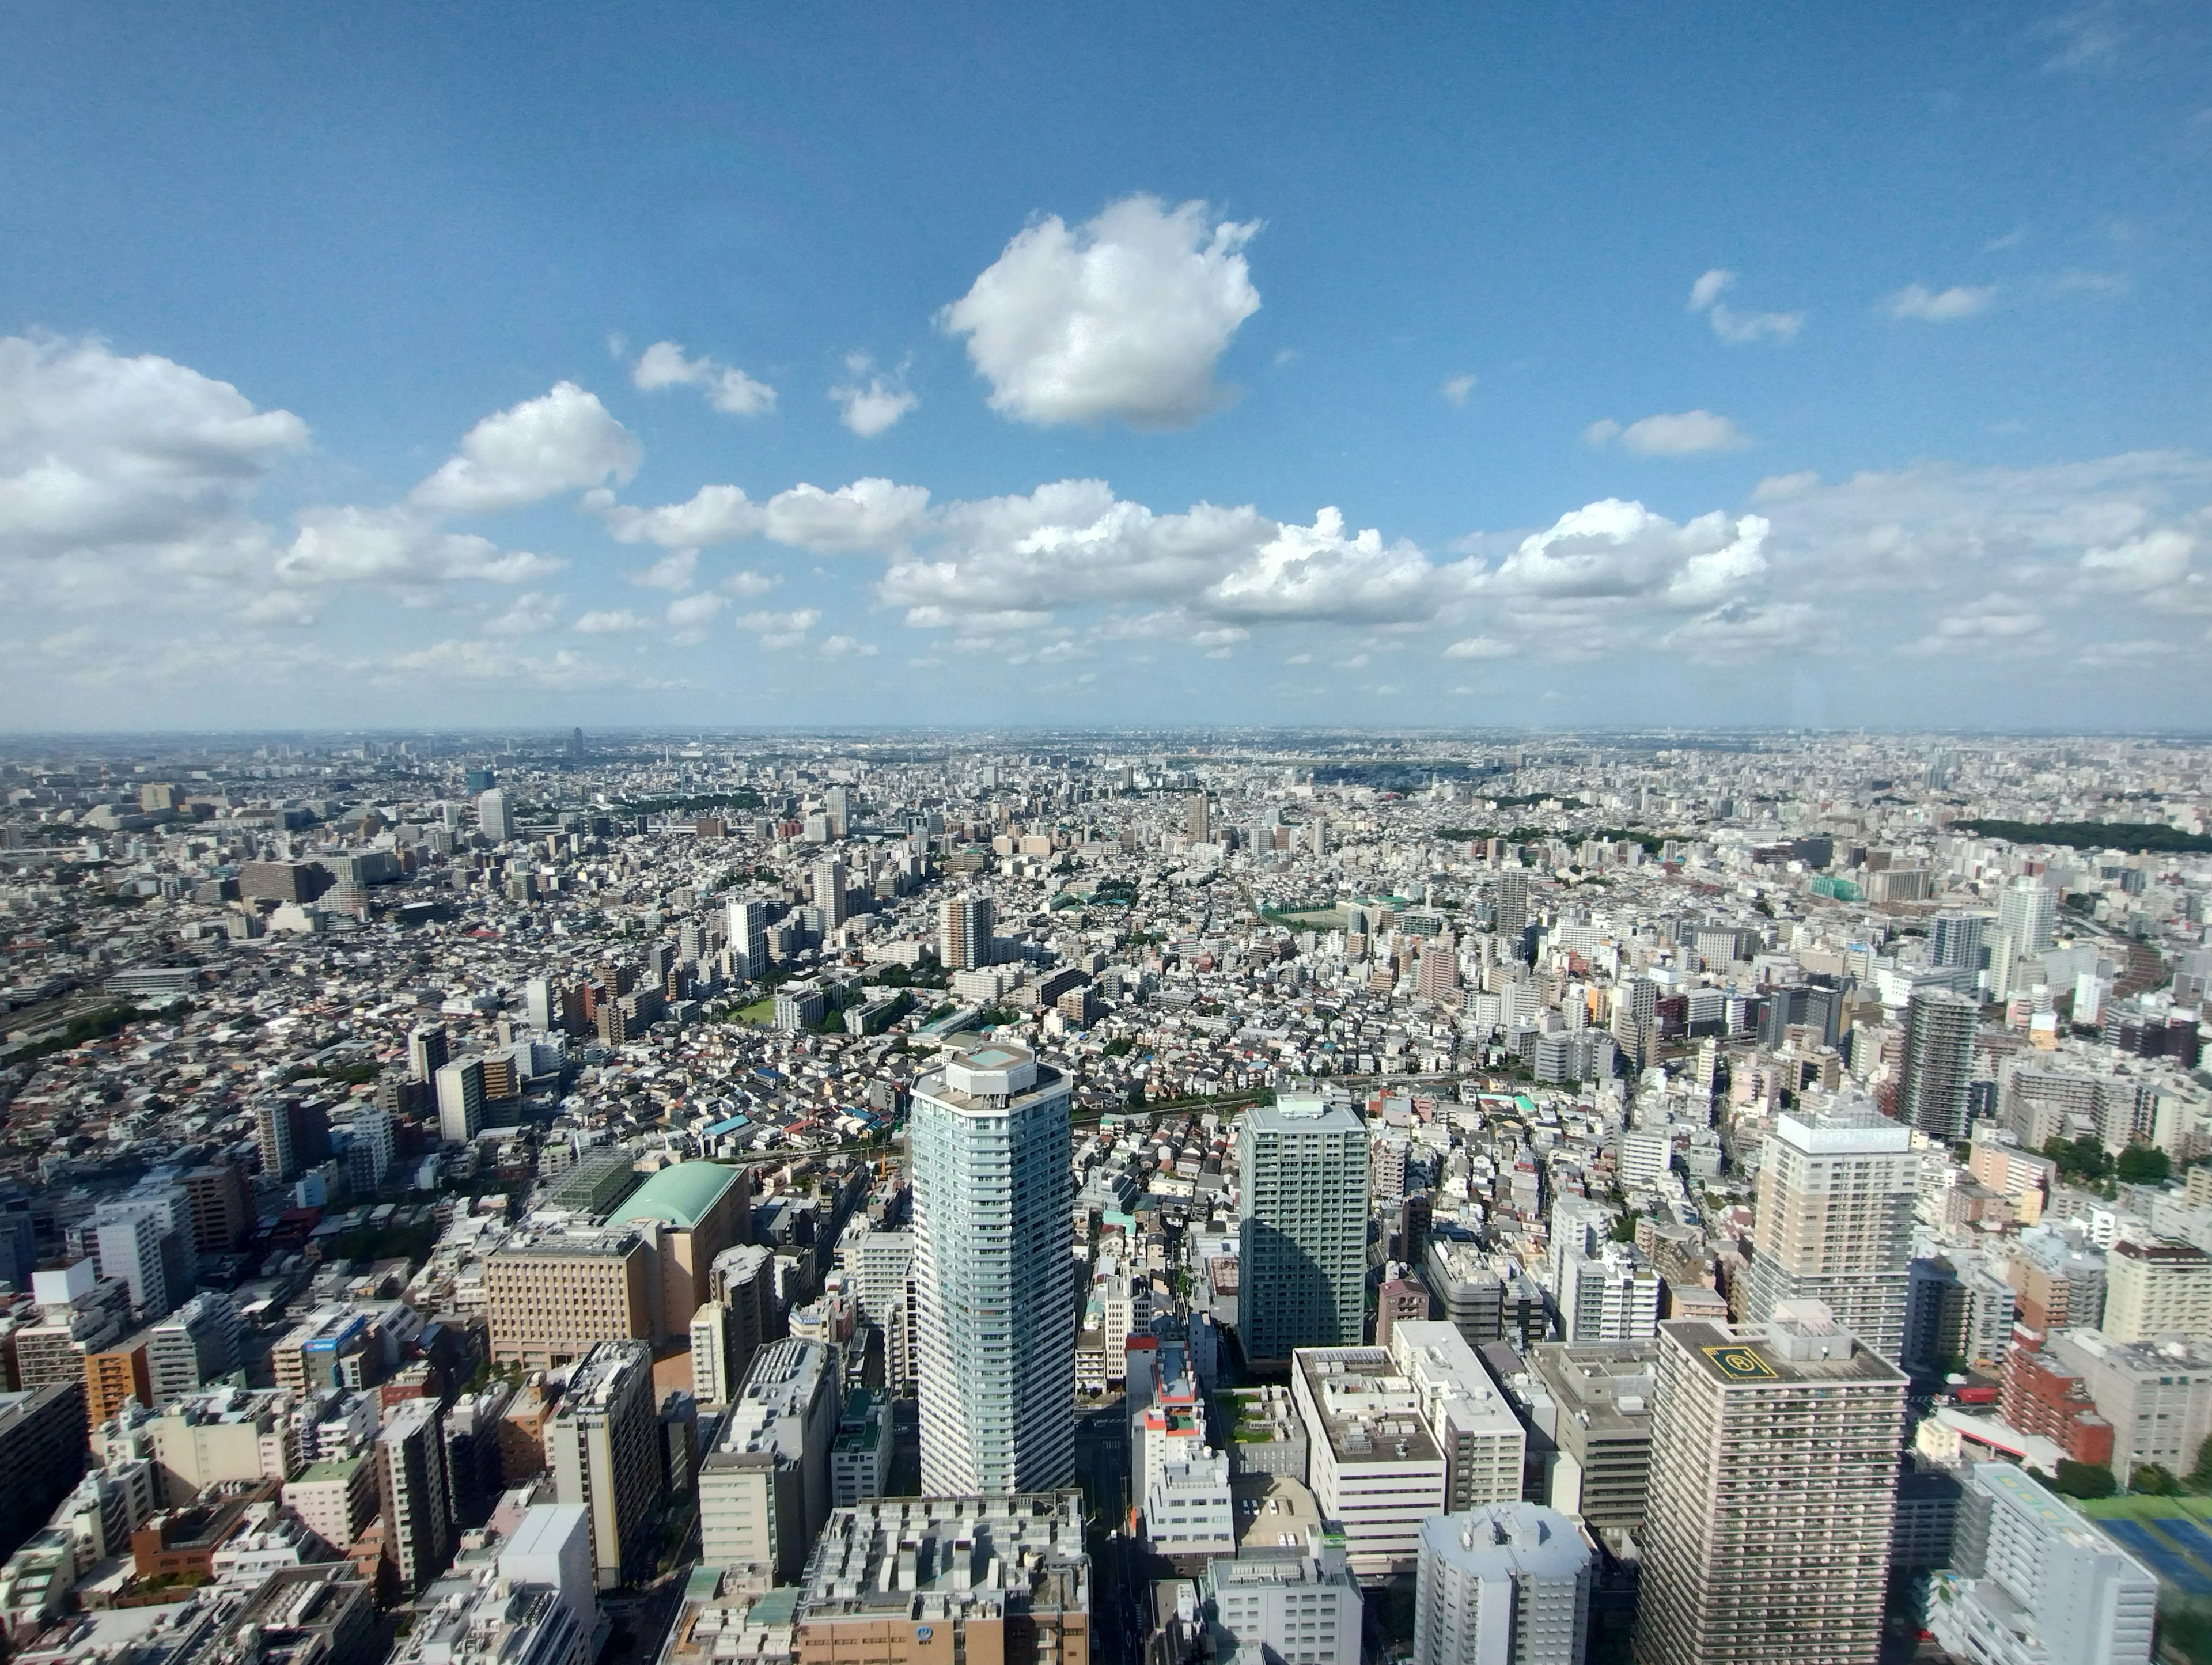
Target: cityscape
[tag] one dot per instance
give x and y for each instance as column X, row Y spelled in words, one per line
column 1160, row 834
column 1157, row 1198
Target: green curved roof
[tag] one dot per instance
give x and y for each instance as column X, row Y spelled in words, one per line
column 680, row 1195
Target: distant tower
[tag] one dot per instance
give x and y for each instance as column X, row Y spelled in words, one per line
column 576, row 745
column 829, row 895
column 495, row 817
column 993, row 1191
column 964, row 925
column 1199, row 821
column 2028, row 912
column 745, row 929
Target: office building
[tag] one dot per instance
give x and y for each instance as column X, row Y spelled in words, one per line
column 115, row 1377
column 602, row 1444
column 2157, row 1289
column 2032, row 1583
column 860, row 1459
column 2027, row 914
column 460, row 1100
column 1938, row 1063
column 1593, row 1403
column 1834, row 1220
column 881, row 1266
column 994, row 1275
column 553, row 1296
column 426, row 1051
column 413, row 1494
column 1198, row 819
column 695, row 1210
column 138, row 1244
column 745, row 932
column 336, row 1497
column 1505, row 1584
column 919, row 1580
column 764, row 1489
column 495, row 817
column 2156, row 1396
column 1302, row 1166
column 1287, row 1593
column 964, row 924
column 222, row 1210
column 1774, row 1473
column 199, row 1343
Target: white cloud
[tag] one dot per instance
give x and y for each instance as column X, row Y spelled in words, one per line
column 1739, row 630
column 1613, row 549
column 1457, row 389
column 870, row 407
column 1124, row 317
column 690, row 616
column 728, row 388
column 1684, row 434
column 780, row 632
column 1996, row 625
column 673, row 571
column 529, row 614
column 1317, row 572
column 1779, row 488
column 2113, row 655
column 115, row 470
column 563, row 442
column 611, row 620
column 845, row 647
column 747, row 584
column 1481, row 647
column 2156, row 561
column 1939, row 306
column 1739, row 329
column 401, row 548
column 2087, row 41
column 870, row 513
column 478, row 661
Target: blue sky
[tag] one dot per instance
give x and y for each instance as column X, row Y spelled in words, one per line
column 1839, row 365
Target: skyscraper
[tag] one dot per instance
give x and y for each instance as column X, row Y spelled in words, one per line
column 829, row 894
column 1511, row 903
column 1301, row 1170
column 1505, row 1584
column 993, row 1276
column 494, row 817
column 1198, row 819
column 460, row 1100
column 2026, row 913
column 1939, row 1059
column 1834, row 1220
column 964, row 924
column 1774, row 1464
column 600, row 1445
column 745, row 929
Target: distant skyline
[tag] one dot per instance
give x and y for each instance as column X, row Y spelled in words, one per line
column 717, row 367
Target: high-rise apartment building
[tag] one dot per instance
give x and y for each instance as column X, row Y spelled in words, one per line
column 1302, row 1170
column 1954, row 939
column 2027, row 912
column 222, row 1210
column 1611, row 1295
column 1505, row 1584
column 1938, row 1063
column 601, row 1444
column 413, row 1492
column 830, row 893
column 199, row 1343
column 2030, row 1579
column 2156, row 1289
column 41, row 1453
column 1510, row 903
column 495, row 817
column 1600, row 1422
column 1774, row 1473
column 1834, row 1220
column 964, row 924
column 745, row 932
column 1198, row 819
column 994, row 1275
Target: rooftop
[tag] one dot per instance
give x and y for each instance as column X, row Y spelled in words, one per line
column 681, row 1195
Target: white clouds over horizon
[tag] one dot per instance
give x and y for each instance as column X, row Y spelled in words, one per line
column 1685, row 433
column 727, row 388
column 1124, row 317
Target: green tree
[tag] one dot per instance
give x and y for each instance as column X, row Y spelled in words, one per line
column 2144, row 1165
column 2152, row 1479
column 2201, row 1476
column 2085, row 1479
